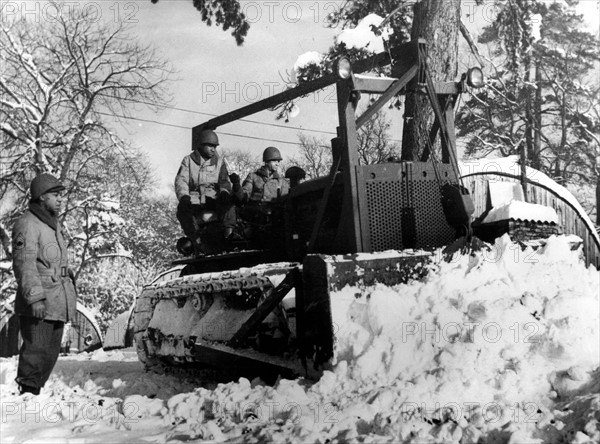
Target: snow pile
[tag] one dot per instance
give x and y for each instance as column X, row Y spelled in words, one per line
column 488, row 343
column 518, row 210
column 502, row 345
column 364, row 36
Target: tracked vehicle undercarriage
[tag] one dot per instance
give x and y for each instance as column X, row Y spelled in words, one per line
column 267, row 311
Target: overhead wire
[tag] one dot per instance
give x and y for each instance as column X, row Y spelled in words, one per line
column 241, row 120
column 188, row 128
column 231, row 134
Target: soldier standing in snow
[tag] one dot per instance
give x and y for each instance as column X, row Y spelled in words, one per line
column 46, row 296
column 203, row 184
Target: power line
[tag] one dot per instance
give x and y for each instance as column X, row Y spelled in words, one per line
column 144, row 120
column 188, row 128
column 221, row 132
column 266, row 140
column 242, row 120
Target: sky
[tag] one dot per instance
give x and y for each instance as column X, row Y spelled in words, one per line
column 217, row 76
column 214, row 75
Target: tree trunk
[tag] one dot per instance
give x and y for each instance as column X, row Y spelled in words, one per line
column 598, row 201
column 537, row 115
column 5, row 240
column 438, row 22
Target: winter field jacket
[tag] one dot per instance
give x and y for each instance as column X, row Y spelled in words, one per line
column 206, row 177
column 40, row 262
column 262, row 187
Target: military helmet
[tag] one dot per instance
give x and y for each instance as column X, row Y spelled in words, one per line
column 295, row 172
column 208, row 137
column 44, row 183
column 271, row 153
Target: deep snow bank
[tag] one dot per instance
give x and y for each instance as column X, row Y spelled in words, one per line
column 501, row 346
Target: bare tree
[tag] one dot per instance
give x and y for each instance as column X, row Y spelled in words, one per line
column 315, row 157
column 241, row 162
column 374, row 144
column 59, row 81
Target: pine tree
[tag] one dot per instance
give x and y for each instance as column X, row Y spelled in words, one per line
column 539, row 101
column 225, row 13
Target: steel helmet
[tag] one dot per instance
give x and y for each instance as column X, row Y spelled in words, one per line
column 295, row 172
column 44, row 183
column 271, row 153
column 208, row 137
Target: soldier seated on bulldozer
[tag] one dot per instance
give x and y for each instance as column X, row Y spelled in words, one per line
column 206, row 210
column 265, row 184
column 261, row 190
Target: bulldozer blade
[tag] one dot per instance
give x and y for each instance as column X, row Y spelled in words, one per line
column 250, row 362
column 325, row 275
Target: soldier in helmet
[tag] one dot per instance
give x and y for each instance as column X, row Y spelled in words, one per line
column 259, row 195
column 202, row 184
column 265, row 185
column 46, row 296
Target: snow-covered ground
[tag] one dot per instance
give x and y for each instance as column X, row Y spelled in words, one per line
column 498, row 347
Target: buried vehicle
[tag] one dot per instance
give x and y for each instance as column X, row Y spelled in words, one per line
column 265, row 309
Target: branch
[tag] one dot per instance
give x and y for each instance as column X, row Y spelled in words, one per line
column 467, row 36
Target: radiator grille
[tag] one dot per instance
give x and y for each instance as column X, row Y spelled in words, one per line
column 385, row 204
column 406, row 213
column 431, row 226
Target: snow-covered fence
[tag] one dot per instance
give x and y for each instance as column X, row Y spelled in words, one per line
column 540, row 190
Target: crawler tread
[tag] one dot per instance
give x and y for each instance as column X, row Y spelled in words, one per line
column 183, row 287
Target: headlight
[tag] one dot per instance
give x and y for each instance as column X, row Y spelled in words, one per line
column 344, row 69
column 475, row 78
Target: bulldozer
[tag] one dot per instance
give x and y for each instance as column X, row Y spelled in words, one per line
column 265, row 310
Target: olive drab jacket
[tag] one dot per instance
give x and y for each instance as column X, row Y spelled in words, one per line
column 261, row 186
column 206, row 177
column 40, row 262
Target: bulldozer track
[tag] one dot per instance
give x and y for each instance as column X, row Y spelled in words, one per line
column 247, row 285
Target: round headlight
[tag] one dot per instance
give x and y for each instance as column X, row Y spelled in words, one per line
column 344, row 69
column 475, row 78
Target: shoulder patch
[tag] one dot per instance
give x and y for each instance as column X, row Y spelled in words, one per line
column 19, row 242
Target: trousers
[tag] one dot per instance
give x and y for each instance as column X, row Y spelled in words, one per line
column 185, row 215
column 39, row 351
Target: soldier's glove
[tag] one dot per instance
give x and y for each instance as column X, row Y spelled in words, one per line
column 185, row 201
column 38, row 309
column 234, row 178
column 224, row 197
